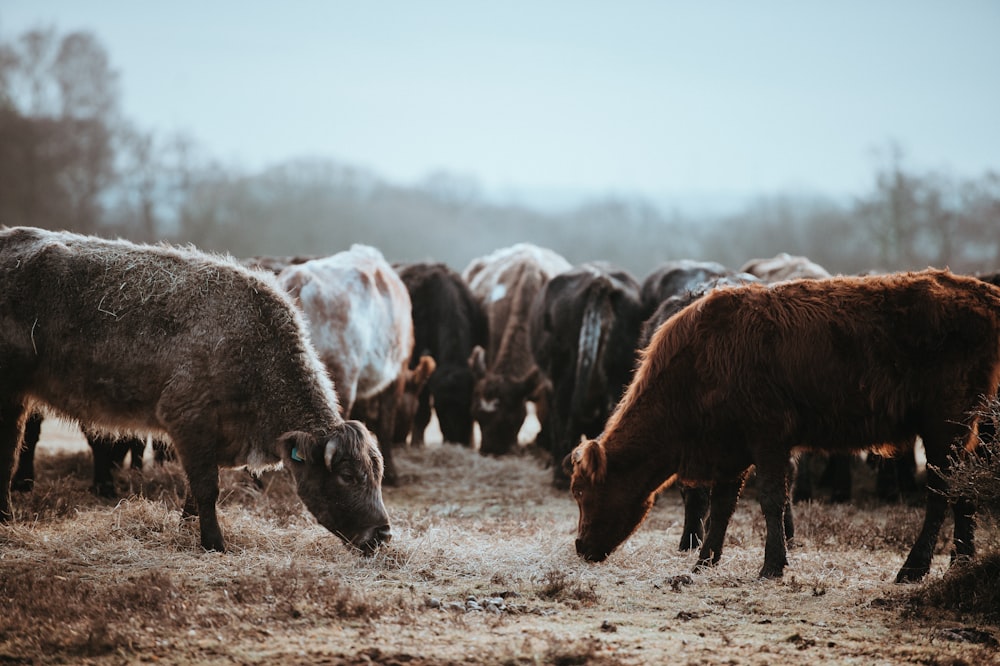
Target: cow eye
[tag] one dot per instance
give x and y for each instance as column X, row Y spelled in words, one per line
column 347, row 477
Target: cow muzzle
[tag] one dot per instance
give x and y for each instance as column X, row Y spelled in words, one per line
column 369, row 541
column 589, row 553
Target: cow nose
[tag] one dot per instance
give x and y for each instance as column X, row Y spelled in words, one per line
column 383, row 534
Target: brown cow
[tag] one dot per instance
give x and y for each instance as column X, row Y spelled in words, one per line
column 505, row 283
column 360, row 322
column 177, row 343
column 745, row 375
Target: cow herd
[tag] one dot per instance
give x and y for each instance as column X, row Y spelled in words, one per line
column 697, row 375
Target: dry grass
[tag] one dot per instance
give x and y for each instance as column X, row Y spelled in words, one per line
column 481, row 570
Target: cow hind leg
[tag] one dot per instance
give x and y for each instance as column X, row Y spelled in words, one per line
column 772, row 489
column 938, row 447
column 724, row 496
column 11, row 434
column 421, row 418
column 918, row 562
column 696, row 504
column 24, row 477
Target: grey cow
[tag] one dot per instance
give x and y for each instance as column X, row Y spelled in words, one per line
column 180, row 344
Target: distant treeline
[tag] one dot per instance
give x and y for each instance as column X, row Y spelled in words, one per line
column 70, row 160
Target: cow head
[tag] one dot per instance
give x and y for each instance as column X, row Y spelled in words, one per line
column 611, row 507
column 498, row 404
column 339, row 479
column 409, row 400
column 452, row 391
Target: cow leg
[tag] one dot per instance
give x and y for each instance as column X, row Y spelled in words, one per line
column 772, row 491
column 11, row 434
column 965, row 529
column 789, row 521
column 24, row 477
column 696, row 505
column 385, row 424
column 137, row 447
column 840, row 477
column 203, row 485
column 196, row 450
column 803, row 488
column 422, row 418
column 724, row 496
column 102, row 448
column 918, row 562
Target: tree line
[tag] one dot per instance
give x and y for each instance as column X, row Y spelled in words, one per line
column 69, row 159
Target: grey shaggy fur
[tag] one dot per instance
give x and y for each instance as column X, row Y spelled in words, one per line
column 178, row 343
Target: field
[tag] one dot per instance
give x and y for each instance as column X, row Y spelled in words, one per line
column 481, row 570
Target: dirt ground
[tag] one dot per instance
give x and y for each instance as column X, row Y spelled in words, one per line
column 481, row 570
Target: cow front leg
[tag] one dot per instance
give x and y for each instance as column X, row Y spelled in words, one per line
column 203, row 494
column 723, row 499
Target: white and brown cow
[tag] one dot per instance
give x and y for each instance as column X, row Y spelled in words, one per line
column 506, row 283
column 360, row 322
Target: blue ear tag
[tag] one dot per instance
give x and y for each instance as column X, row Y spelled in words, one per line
column 295, row 455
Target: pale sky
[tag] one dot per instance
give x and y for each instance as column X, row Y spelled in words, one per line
column 620, row 97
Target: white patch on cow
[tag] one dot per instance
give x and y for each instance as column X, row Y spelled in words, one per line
column 498, row 292
column 489, row 406
column 360, row 319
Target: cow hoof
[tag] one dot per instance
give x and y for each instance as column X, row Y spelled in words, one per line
column 770, row 573
column 911, row 574
column 702, row 565
column 105, row 490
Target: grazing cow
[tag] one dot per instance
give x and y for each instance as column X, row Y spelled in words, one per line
column 674, row 278
column 584, row 328
column 448, row 323
column 360, row 322
column 505, row 284
column 182, row 345
column 275, row 264
column 784, row 266
column 745, row 375
column 696, row 498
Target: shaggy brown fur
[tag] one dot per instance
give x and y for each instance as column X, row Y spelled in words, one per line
column 745, row 375
column 180, row 344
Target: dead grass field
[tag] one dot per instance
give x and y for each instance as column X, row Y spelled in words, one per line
column 481, row 570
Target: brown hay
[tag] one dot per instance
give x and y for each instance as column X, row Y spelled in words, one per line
column 972, row 587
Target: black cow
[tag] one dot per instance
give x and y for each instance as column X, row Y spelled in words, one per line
column 108, row 453
column 448, row 323
column 584, row 328
column 674, row 278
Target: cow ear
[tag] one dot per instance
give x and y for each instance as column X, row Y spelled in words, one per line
column 425, row 368
column 297, row 446
column 477, row 361
column 590, row 460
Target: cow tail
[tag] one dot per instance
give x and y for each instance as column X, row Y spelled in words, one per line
column 591, row 345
